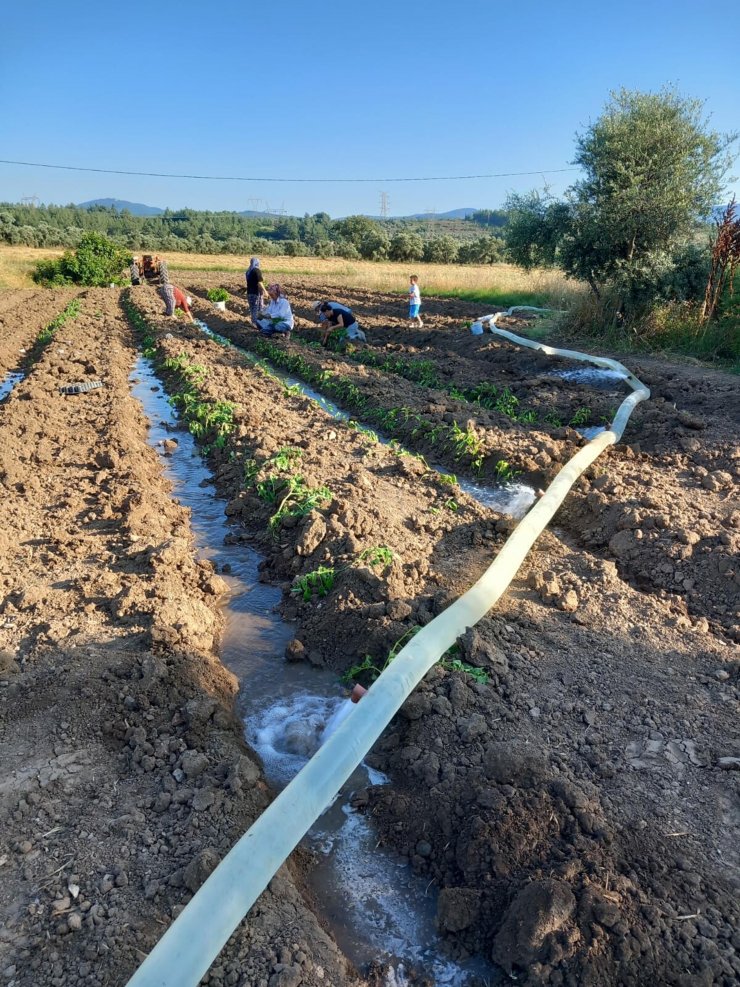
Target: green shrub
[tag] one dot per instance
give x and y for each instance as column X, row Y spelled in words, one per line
column 50, row 273
column 96, row 262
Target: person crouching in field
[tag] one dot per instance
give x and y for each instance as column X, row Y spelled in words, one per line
column 173, row 298
column 277, row 316
column 333, row 315
column 255, row 287
column 414, row 301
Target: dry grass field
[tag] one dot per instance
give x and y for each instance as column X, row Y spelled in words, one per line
column 499, row 284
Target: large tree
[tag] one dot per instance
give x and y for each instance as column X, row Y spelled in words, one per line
column 652, row 170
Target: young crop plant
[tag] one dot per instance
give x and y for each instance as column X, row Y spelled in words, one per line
column 507, row 404
column 205, row 418
column 298, row 500
column 553, row 419
column 71, row 311
column 368, row 663
column 582, row 416
column 286, row 457
column 370, row 671
column 321, row 581
column 467, row 443
column 456, row 665
column 505, row 472
column 380, row 555
column 447, row 479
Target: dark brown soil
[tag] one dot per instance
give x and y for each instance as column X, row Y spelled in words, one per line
column 578, row 813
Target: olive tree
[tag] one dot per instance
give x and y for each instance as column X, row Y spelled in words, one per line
column 406, row 245
column 652, row 170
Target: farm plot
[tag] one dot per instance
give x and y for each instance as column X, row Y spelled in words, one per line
column 564, row 778
column 600, row 761
column 23, row 315
column 110, row 684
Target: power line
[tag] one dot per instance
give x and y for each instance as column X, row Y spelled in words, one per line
column 240, row 178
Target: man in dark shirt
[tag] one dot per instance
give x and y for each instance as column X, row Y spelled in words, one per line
column 255, row 287
column 334, row 315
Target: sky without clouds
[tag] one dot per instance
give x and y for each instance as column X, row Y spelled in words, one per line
column 330, row 90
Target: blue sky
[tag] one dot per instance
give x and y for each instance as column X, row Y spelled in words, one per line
column 335, row 90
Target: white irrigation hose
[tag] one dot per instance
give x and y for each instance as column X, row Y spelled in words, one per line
column 196, row 937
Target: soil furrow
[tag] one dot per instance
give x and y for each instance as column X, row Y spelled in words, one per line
column 576, row 811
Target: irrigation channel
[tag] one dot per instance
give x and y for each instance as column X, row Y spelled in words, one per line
column 375, row 907
column 513, row 499
column 377, row 910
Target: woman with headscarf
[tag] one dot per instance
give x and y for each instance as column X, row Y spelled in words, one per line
column 172, row 297
column 255, row 287
column 277, row 316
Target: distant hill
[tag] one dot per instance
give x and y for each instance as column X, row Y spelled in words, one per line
column 139, row 209
column 452, row 214
column 135, row 208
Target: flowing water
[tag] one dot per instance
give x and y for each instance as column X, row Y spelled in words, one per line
column 512, row 499
column 596, row 377
column 377, row 910
column 11, row 379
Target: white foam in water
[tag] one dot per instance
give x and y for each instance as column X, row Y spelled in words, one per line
column 287, row 734
column 338, row 717
column 591, row 375
column 382, row 901
column 514, row 499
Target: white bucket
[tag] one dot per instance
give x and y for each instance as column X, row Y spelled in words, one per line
column 221, row 306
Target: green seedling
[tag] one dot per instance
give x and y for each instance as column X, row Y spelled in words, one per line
column 451, row 504
column 69, row 312
column 286, row 457
column 456, row 665
column 553, row 419
column 582, row 416
column 299, row 499
column 447, row 479
column 321, row 581
column 377, row 556
column 504, row 471
column 507, row 403
column 368, row 663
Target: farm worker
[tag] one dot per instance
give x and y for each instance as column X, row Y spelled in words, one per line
column 134, row 271
column 277, row 316
column 335, row 314
column 255, row 287
column 149, row 268
column 414, row 301
column 174, row 298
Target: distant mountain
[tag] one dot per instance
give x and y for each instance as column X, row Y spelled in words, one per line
column 452, row 214
column 135, row 208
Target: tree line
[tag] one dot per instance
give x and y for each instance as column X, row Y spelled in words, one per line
column 194, row 231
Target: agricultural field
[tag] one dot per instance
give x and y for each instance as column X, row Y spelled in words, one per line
column 566, row 780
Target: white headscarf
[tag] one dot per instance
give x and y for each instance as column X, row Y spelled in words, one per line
column 253, row 264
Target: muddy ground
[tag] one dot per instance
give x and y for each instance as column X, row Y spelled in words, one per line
column 578, row 812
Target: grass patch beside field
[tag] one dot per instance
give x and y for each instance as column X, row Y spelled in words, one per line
column 494, row 284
